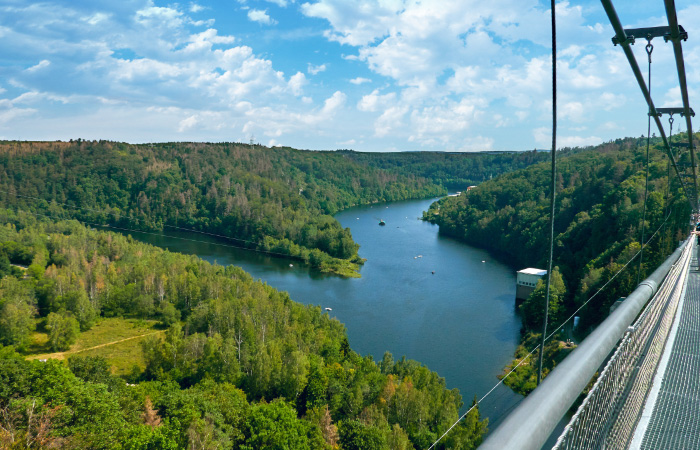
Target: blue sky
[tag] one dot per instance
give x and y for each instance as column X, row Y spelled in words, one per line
column 368, row 75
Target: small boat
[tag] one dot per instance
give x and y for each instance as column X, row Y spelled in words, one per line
column 329, row 309
column 291, row 265
column 381, row 222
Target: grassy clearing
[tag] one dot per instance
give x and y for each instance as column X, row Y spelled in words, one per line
column 115, row 339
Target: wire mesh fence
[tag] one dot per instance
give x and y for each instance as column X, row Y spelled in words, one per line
column 608, row 415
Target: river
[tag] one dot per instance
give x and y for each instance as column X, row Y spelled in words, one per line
column 460, row 320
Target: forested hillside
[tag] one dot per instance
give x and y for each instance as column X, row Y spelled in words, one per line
column 600, row 200
column 241, row 366
column 277, row 200
column 455, row 171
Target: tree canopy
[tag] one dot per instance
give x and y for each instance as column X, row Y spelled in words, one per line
column 241, row 365
column 276, row 200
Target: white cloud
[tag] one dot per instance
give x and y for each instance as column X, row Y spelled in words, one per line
column 334, row 103
column 42, row 64
column 314, row 70
column 188, row 123
column 280, row 3
column 260, row 16
column 390, row 120
column 355, row 23
column 297, row 82
column 206, row 39
column 360, row 80
column 578, row 141
column 439, row 124
column 543, row 137
column 573, row 111
column 476, row 144
column 96, row 18
column 444, row 71
column 374, row 101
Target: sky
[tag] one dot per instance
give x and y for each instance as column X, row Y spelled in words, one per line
column 367, row 75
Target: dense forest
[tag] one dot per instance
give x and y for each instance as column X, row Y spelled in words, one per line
column 599, row 210
column 455, row 171
column 240, row 365
column 276, row 200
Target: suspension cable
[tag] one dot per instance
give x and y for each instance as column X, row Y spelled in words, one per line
column 553, row 190
column 649, row 48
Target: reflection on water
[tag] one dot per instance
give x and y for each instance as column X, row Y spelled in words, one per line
column 422, row 295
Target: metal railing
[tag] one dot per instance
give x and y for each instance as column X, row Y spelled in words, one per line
column 609, row 414
column 530, row 425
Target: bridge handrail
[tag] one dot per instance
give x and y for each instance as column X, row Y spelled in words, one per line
column 531, row 423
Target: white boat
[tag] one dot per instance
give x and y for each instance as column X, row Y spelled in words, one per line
column 329, row 309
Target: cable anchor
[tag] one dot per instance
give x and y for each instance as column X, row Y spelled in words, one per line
column 649, row 48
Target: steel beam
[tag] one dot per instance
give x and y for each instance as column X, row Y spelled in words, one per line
column 625, row 44
column 679, row 111
column 647, row 33
column 676, row 37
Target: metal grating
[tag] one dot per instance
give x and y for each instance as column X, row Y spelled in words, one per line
column 608, row 415
column 675, row 422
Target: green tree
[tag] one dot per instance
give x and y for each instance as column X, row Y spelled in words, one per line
column 169, row 314
column 94, row 369
column 275, row 426
column 63, row 331
column 354, row 435
column 533, row 307
column 79, row 305
column 470, row 432
column 17, row 311
column 16, row 324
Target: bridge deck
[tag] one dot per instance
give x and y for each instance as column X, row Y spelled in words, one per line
column 671, row 418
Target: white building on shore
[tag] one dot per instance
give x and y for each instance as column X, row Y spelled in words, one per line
column 526, row 281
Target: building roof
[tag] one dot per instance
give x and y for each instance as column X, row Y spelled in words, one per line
column 533, row 271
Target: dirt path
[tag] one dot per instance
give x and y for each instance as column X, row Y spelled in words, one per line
column 62, row 355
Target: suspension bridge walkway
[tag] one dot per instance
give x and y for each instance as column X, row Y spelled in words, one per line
column 645, row 360
column 638, row 372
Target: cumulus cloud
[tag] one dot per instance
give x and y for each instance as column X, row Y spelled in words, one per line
column 297, row 82
column 260, row 16
column 375, row 101
column 195, row 8
column 314, row 70
column 445, row 74
column 390, row 120
column 334, row 103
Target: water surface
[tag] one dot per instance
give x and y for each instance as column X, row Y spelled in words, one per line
column 421, row 295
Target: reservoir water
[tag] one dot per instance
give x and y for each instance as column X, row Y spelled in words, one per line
column 460, row 320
